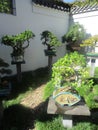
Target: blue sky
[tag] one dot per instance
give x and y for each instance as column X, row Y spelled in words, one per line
column 69, row 1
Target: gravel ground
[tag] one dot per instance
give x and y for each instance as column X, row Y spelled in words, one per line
column 34, row 98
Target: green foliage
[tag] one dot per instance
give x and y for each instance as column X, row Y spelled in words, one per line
column 91, row 41
column 74, row 65
column 85, row 126
column 67, row 66
column 49, row 39
column 5, row 6
column 75, row 34
column 83, row 3
column 18, row 42
column 17, row 39
column 54, row 124
column 48, row 90
column 7, row 103
column 84, row 91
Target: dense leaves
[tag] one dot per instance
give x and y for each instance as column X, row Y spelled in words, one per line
column 90, row 41
column 67, row 67
column 18, row 42
column 5, row 6
column 75, row 34
column 49, row 39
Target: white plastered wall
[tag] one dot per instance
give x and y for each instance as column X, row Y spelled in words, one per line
column 90, row 22
column 37, row 19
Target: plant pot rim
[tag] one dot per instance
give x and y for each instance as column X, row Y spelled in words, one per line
column 50, row 52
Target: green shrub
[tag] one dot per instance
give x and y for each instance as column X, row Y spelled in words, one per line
column 65, row 68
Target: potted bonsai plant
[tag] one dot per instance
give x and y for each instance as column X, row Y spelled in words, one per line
column 74, row 37
column 18, row 43
column 51, row 41
column 68, row 74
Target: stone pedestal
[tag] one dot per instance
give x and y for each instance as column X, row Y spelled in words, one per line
column 67, row 121
column 67, row 112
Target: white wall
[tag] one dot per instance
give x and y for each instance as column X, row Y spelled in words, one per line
column 89, row 20
column 35, row 18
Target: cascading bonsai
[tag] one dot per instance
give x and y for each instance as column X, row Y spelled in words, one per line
column 74, row 37
column 71, row 73
column 51, row 41
column 69, row 68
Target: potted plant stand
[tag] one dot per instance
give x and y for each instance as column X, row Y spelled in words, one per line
column 50, row 41
column 18, row 43
column 68, row 112
column 50, row 52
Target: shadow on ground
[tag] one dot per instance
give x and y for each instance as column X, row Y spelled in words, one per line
column 18, row 117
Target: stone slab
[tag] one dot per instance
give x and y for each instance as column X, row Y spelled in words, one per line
column 78, row 109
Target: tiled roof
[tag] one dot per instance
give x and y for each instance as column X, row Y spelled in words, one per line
column 59, row 5
column 84, row 9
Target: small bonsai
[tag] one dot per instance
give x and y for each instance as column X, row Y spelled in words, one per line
column 51, row 41
column 18, row 42
column 74, row 37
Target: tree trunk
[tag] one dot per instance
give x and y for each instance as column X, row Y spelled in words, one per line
column 19, row 75
column 50, row 63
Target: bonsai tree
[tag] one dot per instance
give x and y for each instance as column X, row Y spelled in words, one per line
column 18, row 43
column 71, row 74
column 3, row 70
column 51, row 41
column 72, row 67
column 74, row 37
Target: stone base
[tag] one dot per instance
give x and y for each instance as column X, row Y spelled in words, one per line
column 67, row 121
column 68, row 112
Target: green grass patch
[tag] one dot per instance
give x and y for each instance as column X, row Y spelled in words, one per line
column 56, row 124
column 17, row 100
